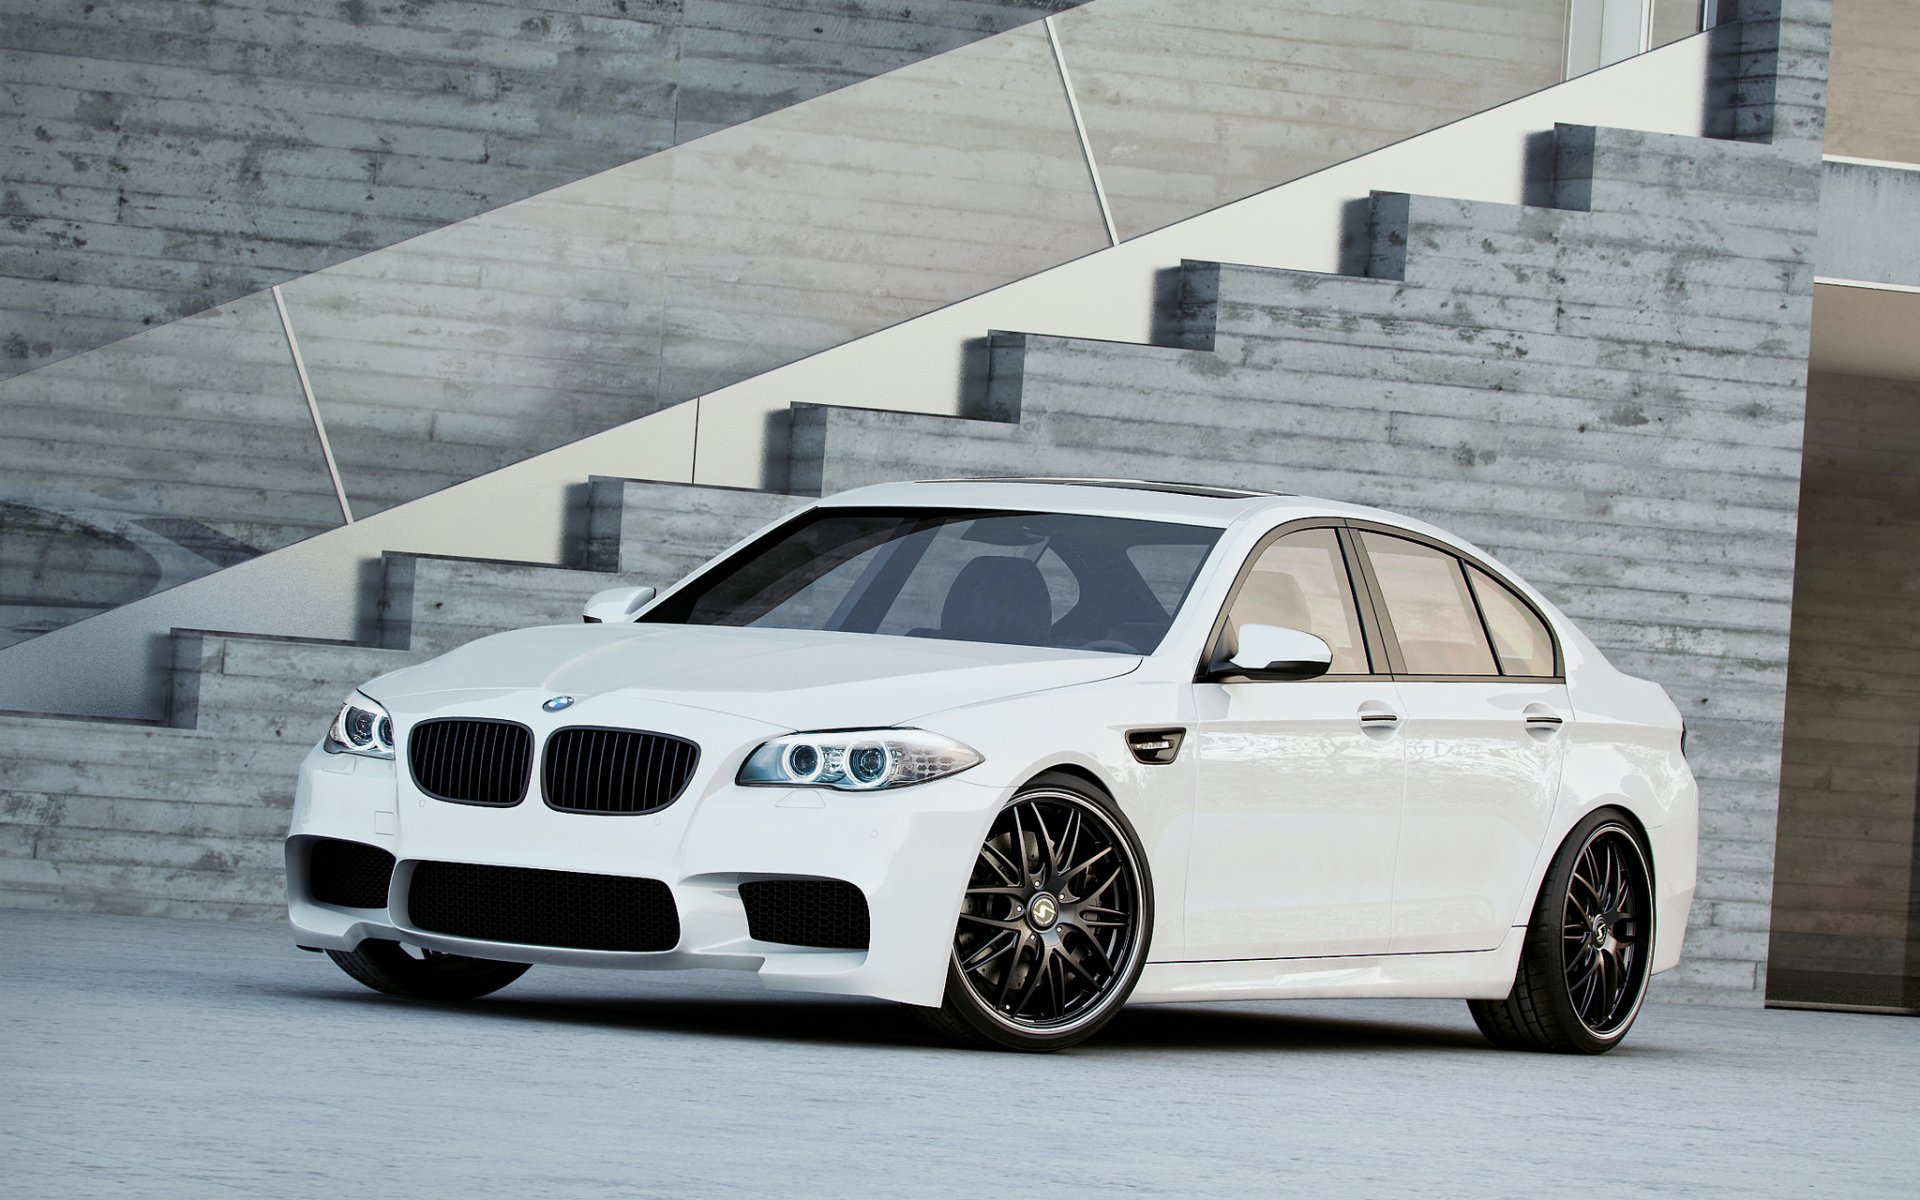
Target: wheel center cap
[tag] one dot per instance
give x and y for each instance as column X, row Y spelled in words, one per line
column 1042, row 911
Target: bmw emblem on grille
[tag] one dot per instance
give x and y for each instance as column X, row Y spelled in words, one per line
column 558, row 703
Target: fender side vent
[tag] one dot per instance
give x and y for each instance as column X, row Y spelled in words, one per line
column 1156, row 747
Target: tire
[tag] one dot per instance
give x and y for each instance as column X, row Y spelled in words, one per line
column 1026, row 974
column 388, row 967
column 1585, row 964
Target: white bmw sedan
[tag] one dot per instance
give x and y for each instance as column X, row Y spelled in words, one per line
column 1018, row 752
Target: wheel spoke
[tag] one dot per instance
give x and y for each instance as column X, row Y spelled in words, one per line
column 1002, row 866
column 1020, row 842
column 1070, row 841
column 1081, row 971
column 1082, row 868
column 1013, row 968
column 1032, row 988
column 1013, row 923
column 992, row 948
column 1101, row 890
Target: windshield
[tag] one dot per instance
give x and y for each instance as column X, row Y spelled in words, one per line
column 1017, row 578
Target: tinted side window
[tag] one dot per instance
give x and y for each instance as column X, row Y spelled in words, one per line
column 1301, row 582
column 1433, row 616
column 1520, row 637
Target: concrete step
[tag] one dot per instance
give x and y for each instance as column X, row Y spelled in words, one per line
column 432, row 603
column 187, row 819
column 135, row 890
column 653, row 533
column 269, row 690
column 112, row 847
column 203, row 816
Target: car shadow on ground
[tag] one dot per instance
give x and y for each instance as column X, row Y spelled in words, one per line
column 874, row 1023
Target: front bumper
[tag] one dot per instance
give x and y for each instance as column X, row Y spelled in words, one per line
column 908, row 850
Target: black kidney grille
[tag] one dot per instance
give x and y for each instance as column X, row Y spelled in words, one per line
column 829, row 913
column 592, row 770
column 532, row 907
column 349, row 874
column 471, row 761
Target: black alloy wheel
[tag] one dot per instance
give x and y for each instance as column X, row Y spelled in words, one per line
column 401, row 970
column 1054, row 924
column 1588, row 954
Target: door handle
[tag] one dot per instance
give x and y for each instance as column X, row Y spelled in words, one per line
column 1543, row 722
column 1376, row 716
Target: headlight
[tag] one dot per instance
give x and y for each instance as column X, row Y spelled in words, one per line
column 857, row 760
column 363, row 727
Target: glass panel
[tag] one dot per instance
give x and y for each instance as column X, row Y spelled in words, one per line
column 1301, row 582
column 1520, row 638
column 1168, row 570
column 1189, row 106
column 1432, row 613
column 582, row 308
column 155, row 460
column 1028, row 579
column 1675, row 19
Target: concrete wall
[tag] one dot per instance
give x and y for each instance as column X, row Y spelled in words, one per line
column 185, row 817
column 1870, row 224
column 737, row 437
column 473, row 346
column 1845, row 906
column 166, row 157
column 1608, row 400
column 1188, row 107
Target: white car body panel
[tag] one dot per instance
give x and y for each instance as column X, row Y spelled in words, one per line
column 1243, row 910
column 1296, row 820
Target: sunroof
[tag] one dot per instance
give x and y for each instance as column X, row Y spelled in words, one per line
column 1134, row 485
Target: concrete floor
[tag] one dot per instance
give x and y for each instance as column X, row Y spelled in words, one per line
column 164, row 1058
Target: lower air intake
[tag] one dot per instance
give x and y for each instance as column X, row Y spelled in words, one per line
column 827, row 913
column 349, row 874
column 532, row 907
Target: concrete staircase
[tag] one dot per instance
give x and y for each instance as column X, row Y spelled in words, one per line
column 1607, row 393
column 184, row 818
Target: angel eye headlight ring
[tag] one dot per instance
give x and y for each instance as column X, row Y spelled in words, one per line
column 856, row 760
column 362, row 726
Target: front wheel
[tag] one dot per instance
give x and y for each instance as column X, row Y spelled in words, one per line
column 426, row 974
column 1589, row 948
column 1054, row 924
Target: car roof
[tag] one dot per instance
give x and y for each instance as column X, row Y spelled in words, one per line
column 1190, row 504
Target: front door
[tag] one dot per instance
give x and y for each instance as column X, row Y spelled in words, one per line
column 1297, row 816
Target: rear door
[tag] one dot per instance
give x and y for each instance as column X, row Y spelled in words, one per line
column 1484, row 707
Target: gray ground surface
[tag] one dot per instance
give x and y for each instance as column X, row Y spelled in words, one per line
column 162, row 1058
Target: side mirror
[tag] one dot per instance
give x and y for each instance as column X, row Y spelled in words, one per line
column 1270, row 652
column 616, row 606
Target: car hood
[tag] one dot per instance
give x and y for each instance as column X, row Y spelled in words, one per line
column 796, row 679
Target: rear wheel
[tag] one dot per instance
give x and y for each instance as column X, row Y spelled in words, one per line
column 426, row 974
column 1589, row 949
column 1054, row 925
